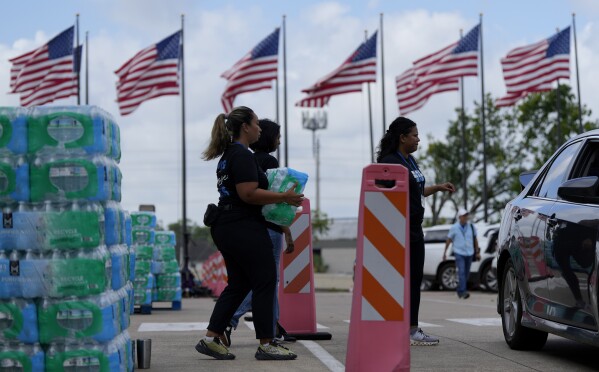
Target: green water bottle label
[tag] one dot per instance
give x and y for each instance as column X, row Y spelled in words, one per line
column 73, row 318
column 67, row 178
column 15, row 361
column 11, row 320
column 78, row 276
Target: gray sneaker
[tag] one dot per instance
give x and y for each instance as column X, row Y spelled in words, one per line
column 274, row 351
column 214, row 348
column 420, row 338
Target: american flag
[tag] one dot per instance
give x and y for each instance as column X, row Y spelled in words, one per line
column 255, row 71
column 412, row 96
column 151, row 73
column 533, row 68
column 456, row 60
column 46, row 73
column 359, row 68
column 437, row 72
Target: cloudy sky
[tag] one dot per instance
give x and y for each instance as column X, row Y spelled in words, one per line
column 320, row 35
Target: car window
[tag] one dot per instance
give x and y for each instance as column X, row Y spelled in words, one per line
column 556, row 174
column 587, row 163
column 436, row 236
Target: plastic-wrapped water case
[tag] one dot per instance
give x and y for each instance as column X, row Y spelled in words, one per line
column 144, row 281
column 116, row 183
column 54, row 274
column 18, row 321
column 59, row 178
column 165, row 238
column 22, row 357
column 166, row 294
column 67, row 226
column 168, row 280
column 143, row 220
column 143, row 296
column 126, row 303
column 13, row 130
column 116, row 142
column 90, row 356
column 73, row 129
column 165, row 267
column 142, row 236
column 128, row 229
column 113, row 222
column 281, row 180
column 164, row 253
column 120, row 265
column 144, row 252
column 95, row 318
column 14, row 179
column 132, row 259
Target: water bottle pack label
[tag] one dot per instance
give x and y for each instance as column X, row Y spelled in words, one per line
column 39, row 231
column 54, row 277
column 142, row 236
column 26, row 361
column 18, row 321
column 143, row 220
column 165, row 238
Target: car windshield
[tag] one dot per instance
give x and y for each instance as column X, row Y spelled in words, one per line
column 435, row 236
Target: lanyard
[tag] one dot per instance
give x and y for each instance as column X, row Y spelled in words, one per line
column 408, row 162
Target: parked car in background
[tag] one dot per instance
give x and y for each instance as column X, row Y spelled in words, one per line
column 443, row 274
column 548, row 250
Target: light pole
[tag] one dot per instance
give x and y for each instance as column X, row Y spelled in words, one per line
column 315, row 120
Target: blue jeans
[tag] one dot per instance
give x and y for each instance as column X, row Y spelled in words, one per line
column 246, row 305
column 463, row 263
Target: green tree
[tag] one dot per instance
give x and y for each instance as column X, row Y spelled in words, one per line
column 320, row 224
column 537, row 116
column 518, row 139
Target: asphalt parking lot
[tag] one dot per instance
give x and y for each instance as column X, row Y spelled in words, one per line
column 470, row 333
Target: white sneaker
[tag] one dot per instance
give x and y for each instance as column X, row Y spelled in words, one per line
column 419, row 338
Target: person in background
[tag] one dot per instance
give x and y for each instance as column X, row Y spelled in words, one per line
column 465, row 249
column 396, row 147
column 241, row 235
column 269, row 141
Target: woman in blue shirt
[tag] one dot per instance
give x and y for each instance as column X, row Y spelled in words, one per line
column 396, row 147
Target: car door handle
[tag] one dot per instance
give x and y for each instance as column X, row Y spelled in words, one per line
column 518, row 215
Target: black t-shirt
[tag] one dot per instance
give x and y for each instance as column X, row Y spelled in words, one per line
column 266, row 162
column 238, row 165
column 416, row 193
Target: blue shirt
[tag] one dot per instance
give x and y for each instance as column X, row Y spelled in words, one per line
column 462, row 238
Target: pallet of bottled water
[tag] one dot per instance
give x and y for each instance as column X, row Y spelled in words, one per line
column 66, row 262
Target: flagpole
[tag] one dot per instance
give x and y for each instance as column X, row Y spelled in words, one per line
column 580, row 127
column 484, row 130
column 285, row 92
column 463, row 122
column 184, row 270
column 277, row 114
column 558, row 129
column 86, row 68
column 383, row 74
column 75, row 57
column 369, row 110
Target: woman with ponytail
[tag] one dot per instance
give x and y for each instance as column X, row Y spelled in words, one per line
column 396, row 147
column 240, row 234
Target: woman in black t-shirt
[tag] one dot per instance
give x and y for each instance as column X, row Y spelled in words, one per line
column 269, row 141
column 240, row 234
column 395, row 147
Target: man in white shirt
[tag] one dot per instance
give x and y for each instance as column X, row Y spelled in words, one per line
column 465, row 248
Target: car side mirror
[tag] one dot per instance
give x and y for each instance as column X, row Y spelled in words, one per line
column 526, row 177
column 580, row 190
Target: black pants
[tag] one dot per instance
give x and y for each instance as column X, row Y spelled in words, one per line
column 247, row 250
column 416, row 274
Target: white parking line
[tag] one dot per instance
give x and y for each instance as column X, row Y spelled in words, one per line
column 172, row 327
column 481, row 322
column 420, row 324
column 327, row 359
column 459, row 302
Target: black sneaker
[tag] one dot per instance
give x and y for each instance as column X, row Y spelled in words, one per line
column 214, row 348
column 225, row 338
